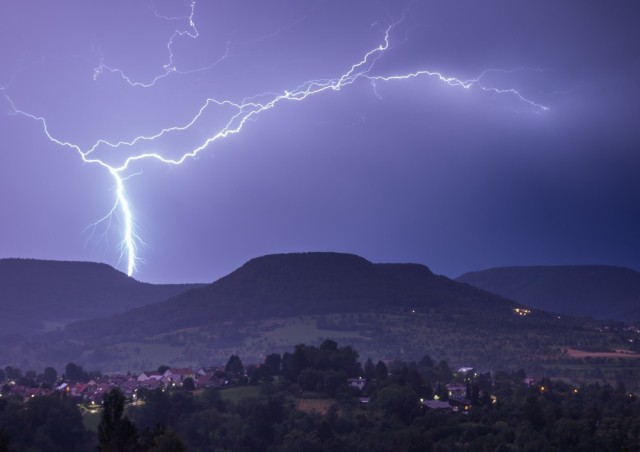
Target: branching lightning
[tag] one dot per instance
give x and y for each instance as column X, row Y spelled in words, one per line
column 170, row 67
column 241, row 113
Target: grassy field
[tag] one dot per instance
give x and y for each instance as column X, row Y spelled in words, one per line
column 623, row 354
column 239, row 392
column 138, row 356
column 304, row 330
column 320, row 406
column 91, row 419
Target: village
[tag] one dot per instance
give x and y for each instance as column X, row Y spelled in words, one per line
column 89, row 389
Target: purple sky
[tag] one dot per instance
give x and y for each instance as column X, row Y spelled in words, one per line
column 408, row 170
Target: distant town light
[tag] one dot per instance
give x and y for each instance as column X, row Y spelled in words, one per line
column 521, row 311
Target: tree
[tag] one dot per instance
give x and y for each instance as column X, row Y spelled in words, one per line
column 426, row 361
column 310, row 379
column 401, row 401
column 413, row 377
column 234, row 366
column 272, row 362
column 116, row 433
column 332, row 382
column 12, row 373
column 475, row 394
column 369, row 370
column 188, row 384
column 532, row 412
column 5, row 441
column 52, row 423
column 399, row 372
column 329, row 344
column 157, row 409
column 3, row 376
column 444, row 372
column 29, row 380
column 73, row 372
column 50, row 376
column 163, row 368
column 167, row 441
column 382, row 372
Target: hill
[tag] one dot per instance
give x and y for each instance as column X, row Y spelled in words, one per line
column 40, row 294
column 597, row 291
column 273, row 302
column 385, row 311
column 288, row 285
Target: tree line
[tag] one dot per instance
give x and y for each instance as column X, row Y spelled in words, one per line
column 506, row 413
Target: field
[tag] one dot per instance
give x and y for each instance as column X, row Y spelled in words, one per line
column 91, row 419
column 623, row 354
column 319, row 406
column 240, row 392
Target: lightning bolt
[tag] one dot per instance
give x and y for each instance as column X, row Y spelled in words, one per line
column 241, row 113
column 168, row 68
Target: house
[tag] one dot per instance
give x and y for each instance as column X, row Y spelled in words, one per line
column 99, row 393
column 207, row 370
column 104, row 388
column 459, row 404
column 437, row 405
column 177, row 376
column 150, row 375
column 456, row 389
column 152, row 384
column 130, row 387
column 33, row 392
column 357, row 382
column 79, row 389
column 118, row 379
column 207, row 381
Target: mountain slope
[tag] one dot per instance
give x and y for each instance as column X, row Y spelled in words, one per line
column 274, row 302
column 38, row 292
column 298, row 284
column 598, row 291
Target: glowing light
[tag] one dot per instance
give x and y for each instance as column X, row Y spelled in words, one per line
column 242, row 113
column 522, row 311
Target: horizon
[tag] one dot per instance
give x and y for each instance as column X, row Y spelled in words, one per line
column 217, row 277
column 458, row 136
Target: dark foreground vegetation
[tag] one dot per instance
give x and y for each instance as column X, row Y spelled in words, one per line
column 316, row 399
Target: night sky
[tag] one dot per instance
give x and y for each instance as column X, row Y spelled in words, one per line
column 412, row 170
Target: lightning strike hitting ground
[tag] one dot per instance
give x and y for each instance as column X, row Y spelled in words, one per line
column 243, row 112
